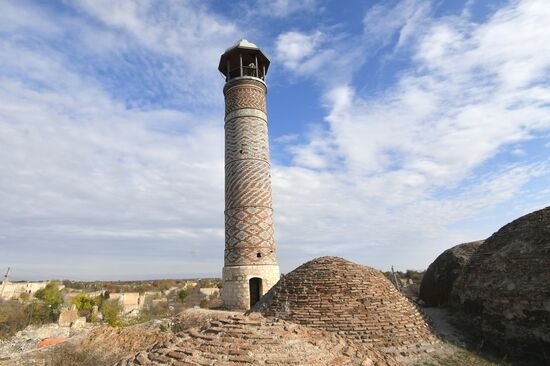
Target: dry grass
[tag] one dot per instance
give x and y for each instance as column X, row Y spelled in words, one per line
column 67, row 355
column 461, row 358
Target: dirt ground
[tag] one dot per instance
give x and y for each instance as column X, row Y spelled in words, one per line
column 456, row 348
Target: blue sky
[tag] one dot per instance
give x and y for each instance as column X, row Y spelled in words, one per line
column 397, row 129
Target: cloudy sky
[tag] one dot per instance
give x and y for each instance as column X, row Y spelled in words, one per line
column 397, row 129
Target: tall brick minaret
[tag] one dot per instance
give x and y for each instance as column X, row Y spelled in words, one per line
column 250, row 267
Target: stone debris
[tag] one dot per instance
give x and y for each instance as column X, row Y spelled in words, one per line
column 506, row 284
column 80, row 322
column 27, row 339
column 122, row 341
column 352, row 300
column 230, row 338
column 437, row 282
column 68, row 316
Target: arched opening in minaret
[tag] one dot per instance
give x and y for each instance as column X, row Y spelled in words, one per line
column 255, row 285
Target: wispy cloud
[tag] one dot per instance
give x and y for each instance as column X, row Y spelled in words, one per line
column 111, row 127
column 294, row 48
column 405, row 18
column 394, row 162
column 83, row 171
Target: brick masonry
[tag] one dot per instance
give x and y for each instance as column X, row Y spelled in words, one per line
column 235, row 292
column 352, row 300
column 249, row 234
column 226, row 338
column 244, row 93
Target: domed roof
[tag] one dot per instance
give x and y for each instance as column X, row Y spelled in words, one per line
column 242, row 43
column 507, row 280
column 356, row 301
column 437, row 282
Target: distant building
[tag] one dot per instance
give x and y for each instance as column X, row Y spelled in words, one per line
column 131, row 302
column 210, row 291
column 13, row 290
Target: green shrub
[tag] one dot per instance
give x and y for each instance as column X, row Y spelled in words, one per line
column 83, row 301
column 182, row 295
column 52, row 298
column 111, row 313
column 13, row 317
column 41, row 313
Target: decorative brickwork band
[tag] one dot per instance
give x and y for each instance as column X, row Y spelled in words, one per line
column 249, row 236
column 249, row 256
column 247, row 183
column 246, row 138
column 246, row 112
column 245, row 94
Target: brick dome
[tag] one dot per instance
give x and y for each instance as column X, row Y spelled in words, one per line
column 355, row 301
column 506, row 284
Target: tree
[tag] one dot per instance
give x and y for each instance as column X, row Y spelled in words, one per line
column 182, row 295
column 24, row 297
column 41, row 313
column 83, row 301
column 111, row 313
column 13, row 317
column 51, row 297
column 416, row 276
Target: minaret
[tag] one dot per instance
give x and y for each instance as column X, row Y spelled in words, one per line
column 250, row 266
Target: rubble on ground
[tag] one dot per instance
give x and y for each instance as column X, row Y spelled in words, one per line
column 231, row 338
column 27, row 339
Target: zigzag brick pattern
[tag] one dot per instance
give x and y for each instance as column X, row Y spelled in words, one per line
column 246, row 138
column 249, row 235
column 247, row 183
column 245, row 96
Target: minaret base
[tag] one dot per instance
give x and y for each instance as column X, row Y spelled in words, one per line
column 241, row 283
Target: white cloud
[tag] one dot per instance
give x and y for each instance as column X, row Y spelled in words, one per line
column 405, row 164
column 333, row 56
column 293, row 48
column 381, row 23
column 88, row 175
column 87, row 178
column 189, row 36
